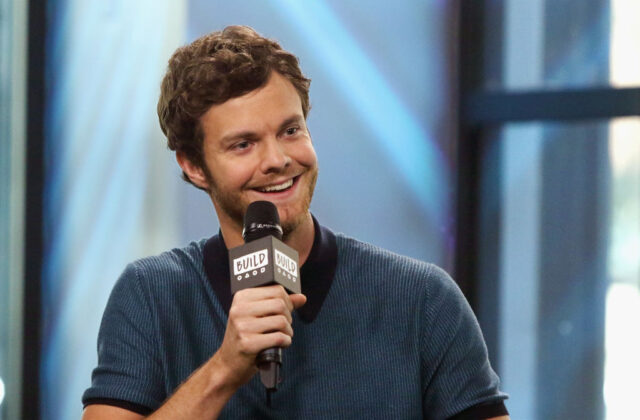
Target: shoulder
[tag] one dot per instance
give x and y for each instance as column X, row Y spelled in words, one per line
column 171, row 269
column 367, row 270
column 177, row 259
column 373, row 260
column 150, row 285
column 175, row 263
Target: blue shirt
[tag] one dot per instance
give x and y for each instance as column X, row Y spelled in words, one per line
column 381, row 336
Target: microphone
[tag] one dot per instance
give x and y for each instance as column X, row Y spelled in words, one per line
column 264, row 260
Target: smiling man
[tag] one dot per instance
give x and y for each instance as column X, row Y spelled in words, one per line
column 257, row 147
column 377, row 335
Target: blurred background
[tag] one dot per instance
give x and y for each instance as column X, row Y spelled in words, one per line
column 498, row 139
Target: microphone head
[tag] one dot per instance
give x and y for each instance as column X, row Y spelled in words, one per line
column 261, row 219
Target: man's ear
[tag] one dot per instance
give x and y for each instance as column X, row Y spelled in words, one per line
column 194, row 172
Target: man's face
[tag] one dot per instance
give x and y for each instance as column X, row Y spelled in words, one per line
column 257, row 147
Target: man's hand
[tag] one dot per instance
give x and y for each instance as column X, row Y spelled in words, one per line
column 259, row 318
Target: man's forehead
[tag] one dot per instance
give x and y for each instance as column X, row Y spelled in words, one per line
column 268, row 107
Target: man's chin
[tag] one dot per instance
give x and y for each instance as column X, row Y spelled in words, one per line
column 289, row 226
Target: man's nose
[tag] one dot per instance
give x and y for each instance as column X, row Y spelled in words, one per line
column 274, row 156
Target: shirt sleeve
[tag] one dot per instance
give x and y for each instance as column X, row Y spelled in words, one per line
column 456, row 370
column 129, row 372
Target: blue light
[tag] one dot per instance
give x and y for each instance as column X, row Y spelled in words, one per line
column 397, row 132
column 1, row 391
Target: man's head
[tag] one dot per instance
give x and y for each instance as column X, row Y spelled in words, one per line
column 213, row 69
column 234, row 106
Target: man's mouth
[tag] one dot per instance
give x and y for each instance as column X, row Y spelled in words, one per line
column 277, row 187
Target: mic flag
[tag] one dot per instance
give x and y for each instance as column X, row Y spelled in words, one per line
column 263, row 262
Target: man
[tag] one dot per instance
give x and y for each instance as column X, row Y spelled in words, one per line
column 376, row 334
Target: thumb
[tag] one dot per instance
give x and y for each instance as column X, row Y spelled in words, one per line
column 298, row 300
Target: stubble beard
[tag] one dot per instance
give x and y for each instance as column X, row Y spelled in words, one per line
column 290, row 226
column 234, row 207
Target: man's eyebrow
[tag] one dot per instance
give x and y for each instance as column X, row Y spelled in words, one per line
column 251, row 134
column 239, row 135
column 292, row 119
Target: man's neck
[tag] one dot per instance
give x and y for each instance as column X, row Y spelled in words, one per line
column 300, row 239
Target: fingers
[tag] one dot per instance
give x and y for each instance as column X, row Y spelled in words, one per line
column 263, row 293
column 265, row 325
column 263, row 308
column 259, row 318
column 256, row 334
column 264, row 312
column 252, row 345
column 256, row 294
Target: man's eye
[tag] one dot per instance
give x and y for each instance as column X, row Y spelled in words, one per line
column 291, row 131
column 241, row 145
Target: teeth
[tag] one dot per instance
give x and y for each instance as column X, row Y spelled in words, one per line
column 278, row 187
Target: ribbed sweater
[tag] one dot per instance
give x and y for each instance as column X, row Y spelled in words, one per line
column 394, row 338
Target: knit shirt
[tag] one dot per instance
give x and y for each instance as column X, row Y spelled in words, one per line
column 381, row 336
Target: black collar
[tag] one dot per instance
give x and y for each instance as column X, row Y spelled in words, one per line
column 316, row 274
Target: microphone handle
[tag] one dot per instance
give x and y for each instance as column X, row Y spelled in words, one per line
column 269, row 362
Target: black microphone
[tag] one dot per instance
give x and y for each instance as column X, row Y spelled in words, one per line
column 263, row 260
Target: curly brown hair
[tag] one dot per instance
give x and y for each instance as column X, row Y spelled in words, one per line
column 213, row 69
